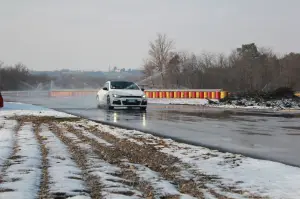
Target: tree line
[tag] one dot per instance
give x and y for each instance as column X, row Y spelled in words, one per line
column 248, row 68
column 19, row 77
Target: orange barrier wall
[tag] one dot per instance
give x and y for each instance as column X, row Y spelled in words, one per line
column 201, row 94
column 297, row 94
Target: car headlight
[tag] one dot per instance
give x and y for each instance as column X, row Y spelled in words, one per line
column 143, row 96
column 116, row 96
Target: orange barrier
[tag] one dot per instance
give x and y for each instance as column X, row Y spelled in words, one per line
column 297, row 94
column 192, row 94
column 70, row 93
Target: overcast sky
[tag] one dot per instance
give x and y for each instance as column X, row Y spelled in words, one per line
column 91, row 34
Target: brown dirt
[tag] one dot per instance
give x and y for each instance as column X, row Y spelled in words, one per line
column 44, row 189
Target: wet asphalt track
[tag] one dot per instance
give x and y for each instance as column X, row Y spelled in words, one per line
column 265, row 137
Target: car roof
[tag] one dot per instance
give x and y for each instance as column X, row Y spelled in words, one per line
column 121, row 81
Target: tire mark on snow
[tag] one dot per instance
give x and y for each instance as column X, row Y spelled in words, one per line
column 199, row 179
column 91, row 135
column 44, row 185
column 22, row 176
column 65, row 178
column 140, row 155
column 161, row 187
column 187, row 178
column 105, row 176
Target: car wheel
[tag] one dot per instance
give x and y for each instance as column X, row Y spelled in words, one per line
column 108, row 104
column 143, row 108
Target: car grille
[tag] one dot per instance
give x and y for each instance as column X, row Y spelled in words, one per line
column 131, row 96
column 117, row 102
column 136, row 102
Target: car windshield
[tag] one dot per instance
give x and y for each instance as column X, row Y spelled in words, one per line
column 123, row 85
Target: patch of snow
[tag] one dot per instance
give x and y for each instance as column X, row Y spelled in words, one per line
column 185, row 196
column 113, row 187
column 208, row 195
column 11, row 113
column 92, row 136
column 19, row 109
column 240, row 107
column 117, row 132
column 135, row 141
column 23, row 176
column 264, row 178
column 160, row 186
column 244, row 103
column 226, row 194
column 68, row 134
column 64, row 174
column 79, row 197
column 6, row 139
column 178, row 101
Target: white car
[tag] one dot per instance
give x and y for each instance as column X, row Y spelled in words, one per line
column 121, row 94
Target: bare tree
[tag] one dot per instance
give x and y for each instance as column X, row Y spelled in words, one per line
column 148, row 70
column 160, row 54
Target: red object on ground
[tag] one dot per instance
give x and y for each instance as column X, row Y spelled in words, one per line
column 1, row 100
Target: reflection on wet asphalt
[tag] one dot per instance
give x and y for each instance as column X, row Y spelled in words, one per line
column 275, row 138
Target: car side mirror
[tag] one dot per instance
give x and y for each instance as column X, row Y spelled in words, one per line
column 105, row 89
column 142, row 89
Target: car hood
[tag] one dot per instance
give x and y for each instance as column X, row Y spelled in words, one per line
column 128, row 92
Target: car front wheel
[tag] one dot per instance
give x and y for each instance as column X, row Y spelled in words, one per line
column 143, row 108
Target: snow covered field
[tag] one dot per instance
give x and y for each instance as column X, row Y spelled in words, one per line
column 48, row 154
